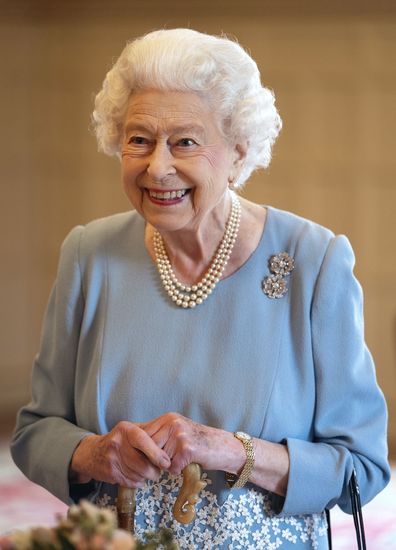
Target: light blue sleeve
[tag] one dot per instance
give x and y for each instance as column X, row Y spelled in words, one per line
column 46, row 434
column 350, row 418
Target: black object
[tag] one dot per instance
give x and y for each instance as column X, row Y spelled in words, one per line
column 357, row 514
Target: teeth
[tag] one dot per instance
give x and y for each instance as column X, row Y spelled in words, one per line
column 167, row 194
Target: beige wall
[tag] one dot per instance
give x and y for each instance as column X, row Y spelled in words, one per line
column 334, row 72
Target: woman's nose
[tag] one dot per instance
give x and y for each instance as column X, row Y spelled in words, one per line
column 160, row 162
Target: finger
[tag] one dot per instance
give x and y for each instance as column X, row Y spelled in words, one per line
column 178, row 465
column 133, row 469
column 139, row 439
column 165, row 427
column 166, row 421
column 114, row 471
column 153, row 426
column 182, row 455
column 162, row 437
column 136, row 465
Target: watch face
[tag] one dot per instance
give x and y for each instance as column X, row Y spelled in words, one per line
column 242, row 435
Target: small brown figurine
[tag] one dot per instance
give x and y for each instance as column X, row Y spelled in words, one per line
column 184, row 507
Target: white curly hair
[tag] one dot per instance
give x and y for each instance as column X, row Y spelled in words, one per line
column 187, row 60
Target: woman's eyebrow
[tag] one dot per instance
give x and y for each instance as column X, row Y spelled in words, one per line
column 137, row 126
column 195, row 129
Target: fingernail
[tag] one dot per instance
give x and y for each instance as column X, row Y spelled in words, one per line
column 165, row 462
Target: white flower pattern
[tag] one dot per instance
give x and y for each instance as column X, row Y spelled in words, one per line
column 244, row 521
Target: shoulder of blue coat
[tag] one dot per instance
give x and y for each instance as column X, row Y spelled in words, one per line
column 112, row 227
column 319, row 257
column 296, row 229
column 101, row 233
column 306, row 241
column 301, row 235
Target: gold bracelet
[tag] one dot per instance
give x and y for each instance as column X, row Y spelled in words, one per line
column 233, row 481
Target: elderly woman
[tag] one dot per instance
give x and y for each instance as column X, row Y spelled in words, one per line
column 201, row 327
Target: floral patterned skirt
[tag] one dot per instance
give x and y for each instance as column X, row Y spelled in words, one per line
column 245, row 521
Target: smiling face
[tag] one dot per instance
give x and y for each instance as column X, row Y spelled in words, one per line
column 176, row 163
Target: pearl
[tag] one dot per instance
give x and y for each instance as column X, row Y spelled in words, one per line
column 190, row 296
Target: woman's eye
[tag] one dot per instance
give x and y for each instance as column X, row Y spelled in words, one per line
column 186, row 142
column 137, row 140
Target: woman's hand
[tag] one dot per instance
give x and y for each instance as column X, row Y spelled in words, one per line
column 186, row 441
column 127, row 456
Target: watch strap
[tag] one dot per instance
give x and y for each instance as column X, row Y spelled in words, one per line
column 234, row 481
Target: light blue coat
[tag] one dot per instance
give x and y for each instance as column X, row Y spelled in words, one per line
column 293, row 370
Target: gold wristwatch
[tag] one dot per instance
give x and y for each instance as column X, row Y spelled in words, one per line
column 233, row 480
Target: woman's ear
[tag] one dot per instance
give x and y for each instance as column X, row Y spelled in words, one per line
column 239, row 155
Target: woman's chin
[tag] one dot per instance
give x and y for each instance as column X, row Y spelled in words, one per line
column 167, row 215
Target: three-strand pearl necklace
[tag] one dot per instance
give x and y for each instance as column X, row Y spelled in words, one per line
column 190, row 296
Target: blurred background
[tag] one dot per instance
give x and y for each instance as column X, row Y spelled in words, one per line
column 332, row 66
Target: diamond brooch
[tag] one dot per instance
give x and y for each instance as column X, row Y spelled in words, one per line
column 281, row 265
